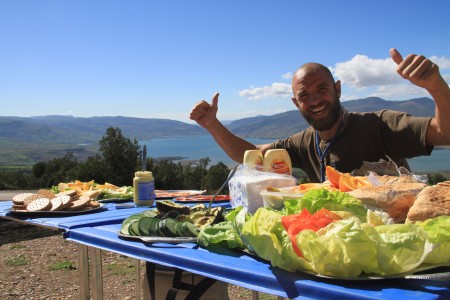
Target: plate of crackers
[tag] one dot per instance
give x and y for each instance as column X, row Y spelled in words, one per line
column 46, row 202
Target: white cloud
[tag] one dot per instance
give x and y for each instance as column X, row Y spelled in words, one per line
column 377, row 77
column 403, row 90
column 441, row 61
column 288, row 75
column 362, row 71
column 277, row 89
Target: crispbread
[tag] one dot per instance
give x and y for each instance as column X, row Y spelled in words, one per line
column 19, row 207
column 433, row 201
column 70, row 193
column 40, row 204
column 65, row 200
column 31, row 198
column 57, row 204
column 20, row 198
column 46, row 194
column 78, row 204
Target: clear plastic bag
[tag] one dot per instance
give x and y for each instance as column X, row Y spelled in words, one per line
column 247, row 183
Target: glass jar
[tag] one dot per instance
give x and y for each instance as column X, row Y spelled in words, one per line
column 144, row 188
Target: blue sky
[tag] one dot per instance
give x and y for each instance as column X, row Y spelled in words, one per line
column 156, row 59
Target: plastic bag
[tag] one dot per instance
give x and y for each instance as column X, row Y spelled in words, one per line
column 247, row 183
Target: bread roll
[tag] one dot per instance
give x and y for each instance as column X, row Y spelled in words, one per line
column 433, row 201
column 395, row 199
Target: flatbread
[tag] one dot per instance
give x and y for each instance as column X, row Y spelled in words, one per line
column 431, row 202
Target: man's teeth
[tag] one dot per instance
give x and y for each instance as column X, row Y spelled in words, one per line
column 318, row 110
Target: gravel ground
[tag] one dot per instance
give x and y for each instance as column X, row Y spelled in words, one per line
column 37, row 263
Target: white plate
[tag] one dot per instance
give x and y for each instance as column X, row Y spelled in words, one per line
column 24, row 213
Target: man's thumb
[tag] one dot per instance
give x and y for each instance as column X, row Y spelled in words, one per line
column 396, row 56
column 215, row 100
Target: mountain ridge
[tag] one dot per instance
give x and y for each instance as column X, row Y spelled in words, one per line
column 26, row 140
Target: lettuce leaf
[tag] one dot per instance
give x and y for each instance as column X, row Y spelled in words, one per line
column 268, row 239
column 314, row 200
column 438, row 230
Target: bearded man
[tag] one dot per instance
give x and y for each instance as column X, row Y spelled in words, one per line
column 341, row 139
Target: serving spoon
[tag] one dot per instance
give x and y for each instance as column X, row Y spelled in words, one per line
column 221, row 188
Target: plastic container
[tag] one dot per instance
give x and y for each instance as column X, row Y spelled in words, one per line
column 254, row 158
column 277, row 161
column 276, row 199
column 144, row 188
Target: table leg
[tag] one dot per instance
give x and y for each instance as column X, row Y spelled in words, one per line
column 138, row 279
column 97, row 273
column 83, row 271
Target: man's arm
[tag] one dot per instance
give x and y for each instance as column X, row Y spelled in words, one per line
column 424, row 73
column 205, row 115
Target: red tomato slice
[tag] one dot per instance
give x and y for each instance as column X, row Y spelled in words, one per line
column 295, row 223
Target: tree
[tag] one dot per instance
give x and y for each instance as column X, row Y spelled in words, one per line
column 215, row 177
column 120, row 157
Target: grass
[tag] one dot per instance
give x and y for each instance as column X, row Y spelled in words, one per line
column 120, row 270
column 17, row 261
column 64, row 265
column 17, row 246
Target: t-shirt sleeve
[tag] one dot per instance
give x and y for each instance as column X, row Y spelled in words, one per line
column 405, row 133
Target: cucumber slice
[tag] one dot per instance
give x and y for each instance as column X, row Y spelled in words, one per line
column 150, row 213
column 145, row 224
column 189, row 230
column 134, row 229
column 167, row 227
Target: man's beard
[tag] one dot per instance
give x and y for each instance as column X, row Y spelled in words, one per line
column 326, row 123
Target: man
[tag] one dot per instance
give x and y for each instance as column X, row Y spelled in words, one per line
column 341, row 139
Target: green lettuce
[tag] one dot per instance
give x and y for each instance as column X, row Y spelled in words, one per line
column 348, row 248
column 223, row 232
column 438, row 230
column 316, row 199
column 268, row 239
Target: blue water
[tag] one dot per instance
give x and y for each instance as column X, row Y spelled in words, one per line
column 193, row 148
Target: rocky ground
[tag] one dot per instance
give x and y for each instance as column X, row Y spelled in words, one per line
column 37, row 263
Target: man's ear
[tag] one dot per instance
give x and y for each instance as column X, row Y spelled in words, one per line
column 295, row 102
column 337, row 87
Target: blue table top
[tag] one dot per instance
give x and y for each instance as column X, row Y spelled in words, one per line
column 239, row 268
column 110, row 213
column 100, row 230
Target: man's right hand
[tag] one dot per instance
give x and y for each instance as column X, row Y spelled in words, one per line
column 204, row 113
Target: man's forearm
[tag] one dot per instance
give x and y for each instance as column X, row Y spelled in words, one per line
column 233, row 145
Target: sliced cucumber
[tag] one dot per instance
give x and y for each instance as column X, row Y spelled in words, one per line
column 134, row 229
column 189, row 229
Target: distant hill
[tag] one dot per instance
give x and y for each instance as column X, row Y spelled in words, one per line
column 26, row 140
column 287, row 123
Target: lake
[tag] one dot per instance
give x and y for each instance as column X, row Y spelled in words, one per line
column 193, row 148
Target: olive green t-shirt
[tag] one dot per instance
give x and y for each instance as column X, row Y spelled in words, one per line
column 364, row 137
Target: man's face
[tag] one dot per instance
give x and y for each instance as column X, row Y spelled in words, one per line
column 317, row 98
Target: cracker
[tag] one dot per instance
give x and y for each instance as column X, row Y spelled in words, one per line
column 46, row 194
column 57, row 204
column 70, row 193
column 20, row 198
column 66, row 200
column 79, row 204
column 40, row 204
column 19, row 207
column 31, row 198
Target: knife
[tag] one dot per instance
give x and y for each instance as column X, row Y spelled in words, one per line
column 144, row 158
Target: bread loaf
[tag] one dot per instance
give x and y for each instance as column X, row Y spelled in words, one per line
column 433, row 201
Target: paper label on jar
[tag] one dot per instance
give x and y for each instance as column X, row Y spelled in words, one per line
column 146, row 190
column 280, row 167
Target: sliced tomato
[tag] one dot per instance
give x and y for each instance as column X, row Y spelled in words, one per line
column 295, row 223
